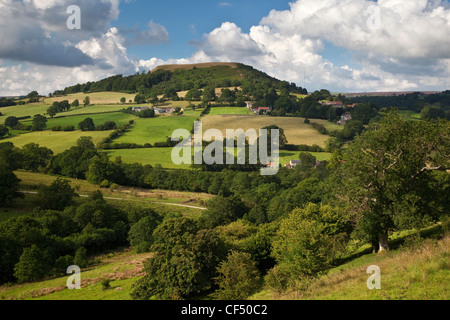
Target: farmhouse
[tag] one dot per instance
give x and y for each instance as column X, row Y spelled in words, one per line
column 294, row 163
column 139, row 109
column 346, row 117
column 337, row 104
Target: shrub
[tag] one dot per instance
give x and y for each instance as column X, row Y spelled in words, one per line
column 238, row 277
column 106, row 284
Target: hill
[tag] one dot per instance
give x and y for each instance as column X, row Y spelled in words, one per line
column 171, row 67
column 184, row 78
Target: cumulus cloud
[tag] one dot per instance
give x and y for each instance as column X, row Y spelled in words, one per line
column 156, row 33
column 36, row 30
column 408, row 48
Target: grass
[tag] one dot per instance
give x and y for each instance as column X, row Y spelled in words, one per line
column 123, row 268
column 118, row 117
column 286, row 156
column 409, row 115
column 94, row 109
column 151, row 156
column 415, row 270
column 56, row 141
column 95, row 98
column 296, row 131
column 22, row 111
column 122, row 197
column 229, row 111
column 156, row 129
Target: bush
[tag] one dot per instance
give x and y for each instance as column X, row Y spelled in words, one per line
column 106, row 284
column 68, row 128
column 238, row 277
column 56, row 128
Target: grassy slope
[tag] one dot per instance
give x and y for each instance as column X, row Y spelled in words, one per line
column 156, row 129
column 56, row 141
column 413, row 272
column 95, row 98
column 296, row 131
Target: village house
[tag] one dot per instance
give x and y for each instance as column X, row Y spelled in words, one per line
column 139, row 109
column 294, row 163
column 346, row 117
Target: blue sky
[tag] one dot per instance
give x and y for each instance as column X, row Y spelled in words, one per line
column 358, row 46
column 189, row 20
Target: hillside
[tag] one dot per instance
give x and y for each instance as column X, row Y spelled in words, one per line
column 171, row 67
column 413, row 271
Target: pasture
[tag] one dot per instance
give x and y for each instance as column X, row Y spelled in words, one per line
column 22, row 111
column 95, row 98
column 229, row 111
column 151, row 156
column 118, row 117
column 157, row 129
column 56, row 141
column 296, row 131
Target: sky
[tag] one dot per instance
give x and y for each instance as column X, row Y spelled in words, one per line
column 339, row 45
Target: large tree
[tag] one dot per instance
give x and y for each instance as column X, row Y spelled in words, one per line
column 394, row 177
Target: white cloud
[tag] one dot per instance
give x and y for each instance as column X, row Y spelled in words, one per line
column 410, row 50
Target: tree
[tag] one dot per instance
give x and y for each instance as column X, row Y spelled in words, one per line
column 141, row 232
column 57, row 196
column 75, row 103
column 34, row 264
column 221, row 210
column 238, row 277
column 35, row 157
column 81, row 258
column 184, row 262
column 123, row 100
column 52, row 111
column 39, row 123
column 87, row 125
column 85, row 143
column 9, row 184
column 387, row 176
column 11, row 122
column 3, row 131
column 310, row 239
column 87, row 101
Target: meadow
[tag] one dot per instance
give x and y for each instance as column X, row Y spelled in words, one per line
column 157, row 129
column 56, row 141
column 297, row 132
column 151, row 156
column 95, row 98
column 118, row 117
column 229, row 111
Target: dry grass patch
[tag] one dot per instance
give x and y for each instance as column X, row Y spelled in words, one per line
column 296, row 131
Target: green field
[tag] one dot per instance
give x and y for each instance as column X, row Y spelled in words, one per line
column 22, row 111
column 56, row 141
column 93, row 109
column 286, row 156
column 229, row 111
column 157, row 129
column 118, row 117
column 151, row 156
